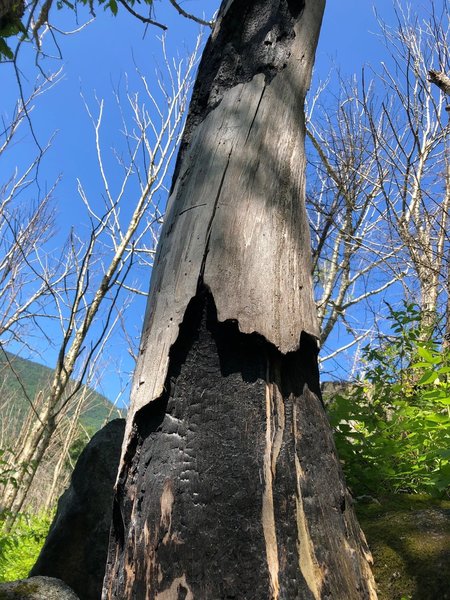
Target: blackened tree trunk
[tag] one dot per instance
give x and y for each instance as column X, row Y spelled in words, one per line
column 229, row 485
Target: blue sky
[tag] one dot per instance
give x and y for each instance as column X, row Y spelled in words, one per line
column 95, row 61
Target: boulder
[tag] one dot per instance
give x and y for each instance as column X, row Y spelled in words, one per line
column 76, row 547
column 36, row 588
column 409, row 536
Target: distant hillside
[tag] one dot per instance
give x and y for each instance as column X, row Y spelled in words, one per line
column 20, row 378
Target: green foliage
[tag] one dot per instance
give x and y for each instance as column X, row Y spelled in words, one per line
column 393, row 426
column 11, row 25
column 9, row 475
column 20, row 547
column 33, row 377
column 15, row 22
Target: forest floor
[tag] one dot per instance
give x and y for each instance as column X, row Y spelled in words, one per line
column 409, row 536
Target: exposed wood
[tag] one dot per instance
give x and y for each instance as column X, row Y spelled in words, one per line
column 236, row 217
column 230, row 486
column 234, row 489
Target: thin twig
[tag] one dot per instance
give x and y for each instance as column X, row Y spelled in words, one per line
column 141, row 17
column 190, row 16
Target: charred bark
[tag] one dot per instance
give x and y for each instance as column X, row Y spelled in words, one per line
column 230, row 486
column 233, row 489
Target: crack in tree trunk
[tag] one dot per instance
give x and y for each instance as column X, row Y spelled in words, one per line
column 230, row 486
column 227, row 499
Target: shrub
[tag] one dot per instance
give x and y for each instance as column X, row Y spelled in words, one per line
column 20, row 547
column 392, row 428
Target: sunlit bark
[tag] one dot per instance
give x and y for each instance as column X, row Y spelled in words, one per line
column 230, row 486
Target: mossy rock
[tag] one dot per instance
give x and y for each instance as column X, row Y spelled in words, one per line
column 36, row 588
column 409, row 536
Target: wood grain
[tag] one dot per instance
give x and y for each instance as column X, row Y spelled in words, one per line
column 236, row 218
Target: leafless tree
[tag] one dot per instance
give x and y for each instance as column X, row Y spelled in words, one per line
column 379, row 185
column 225, row 426
column 346, row 214
column 409, row 130
column 26, row 278
column 97, row 269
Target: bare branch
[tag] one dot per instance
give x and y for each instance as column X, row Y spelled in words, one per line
column 141, row 18
column 190, row 16
column 441, row 79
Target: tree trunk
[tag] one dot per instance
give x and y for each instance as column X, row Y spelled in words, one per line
column 230, row 486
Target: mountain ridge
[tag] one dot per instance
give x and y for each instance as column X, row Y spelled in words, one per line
column 22, row 379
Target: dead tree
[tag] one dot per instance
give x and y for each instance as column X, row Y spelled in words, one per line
column 229, row 485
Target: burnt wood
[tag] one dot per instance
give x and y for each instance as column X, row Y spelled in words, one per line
column 234, row 489
column 230, row 486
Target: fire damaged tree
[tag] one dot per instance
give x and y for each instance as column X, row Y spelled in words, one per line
column 229, row 485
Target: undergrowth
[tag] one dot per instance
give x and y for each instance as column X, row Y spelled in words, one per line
column 20, row 547
column 392, row 426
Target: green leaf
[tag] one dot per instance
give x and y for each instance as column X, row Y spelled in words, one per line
column 5, row 50
column 431, row 358
column 444, row 399
column 428, row 377
column 61, row 3
column 437, row 418
column 112, row 4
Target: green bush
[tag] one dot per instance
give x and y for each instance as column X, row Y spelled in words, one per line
column 20, row 547
column 392, row 427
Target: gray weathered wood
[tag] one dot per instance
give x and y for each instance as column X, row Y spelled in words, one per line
column 230, row 486
column 243, row 230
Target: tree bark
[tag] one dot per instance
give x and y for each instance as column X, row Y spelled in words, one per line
column 230, row 486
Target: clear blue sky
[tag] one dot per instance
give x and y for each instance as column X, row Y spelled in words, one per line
column 95, row 62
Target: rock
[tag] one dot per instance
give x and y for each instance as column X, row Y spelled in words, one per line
column 409, row 536
column 37, row 588
column 76, row 547
column 330, row 389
